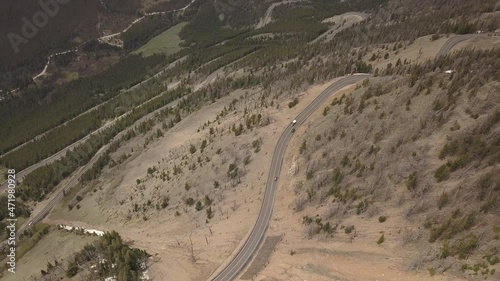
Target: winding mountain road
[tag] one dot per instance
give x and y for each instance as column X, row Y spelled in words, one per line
column 246, row 252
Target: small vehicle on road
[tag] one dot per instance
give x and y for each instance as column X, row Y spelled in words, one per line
column 293, row 130
column 294, row 122
column 275, row 178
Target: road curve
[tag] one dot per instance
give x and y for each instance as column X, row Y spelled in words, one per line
column 246, row 252
column 253, row 241
column 450, row 43
column 268, row 15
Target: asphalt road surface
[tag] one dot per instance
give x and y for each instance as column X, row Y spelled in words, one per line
column 21, row 174
column 250, row 246
column 268, row 15
column 257, row 234
column 450, row 43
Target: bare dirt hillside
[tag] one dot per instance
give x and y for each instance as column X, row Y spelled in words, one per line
column 375, row 194
column 364, row 195
column 201, row 183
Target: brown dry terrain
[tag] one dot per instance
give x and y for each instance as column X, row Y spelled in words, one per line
column 479, row 43
column 236, row 202
column 376, row 150
column 420, row 51
column 187, row 205
column 339, row 23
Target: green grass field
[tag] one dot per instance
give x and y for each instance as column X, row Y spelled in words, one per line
column 166, row 43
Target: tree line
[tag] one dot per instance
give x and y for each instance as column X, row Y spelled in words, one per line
column 109, row 256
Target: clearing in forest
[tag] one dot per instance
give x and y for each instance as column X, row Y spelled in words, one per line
column 166, row 43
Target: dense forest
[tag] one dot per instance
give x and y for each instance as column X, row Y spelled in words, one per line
column 51, row 108
column 41, row 181
column 205, row 29
column 130, row 7
column 147, row 29
column 17, row 64
column 162, row 6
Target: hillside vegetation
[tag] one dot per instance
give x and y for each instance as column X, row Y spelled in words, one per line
column 166, row 43
column 409, row 157
column 421, row 149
